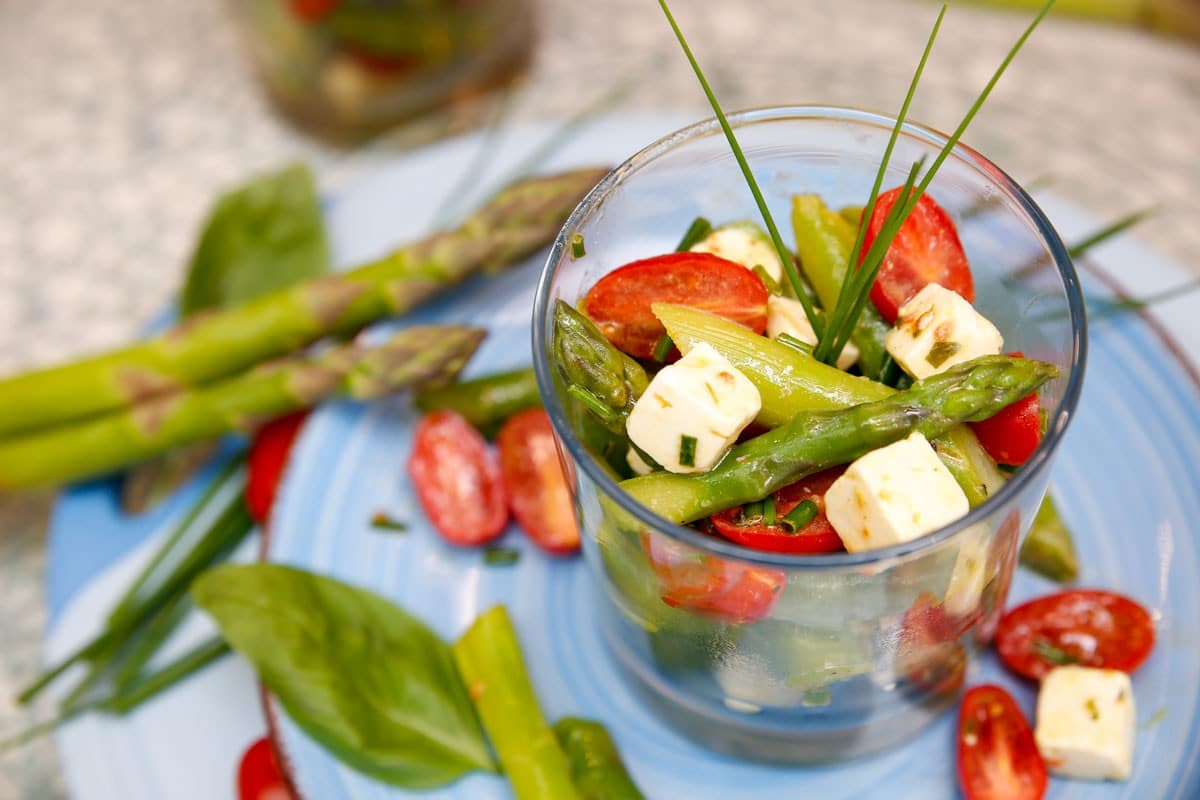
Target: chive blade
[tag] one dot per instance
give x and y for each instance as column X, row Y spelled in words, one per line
column 800, row 517
column 687, row 450
column 769, row 510
column 697, row 232
column 496, row 556
column 382, row 521
column 663, row 348
column 578, row 250
column 773, row 229
column 1109, row 231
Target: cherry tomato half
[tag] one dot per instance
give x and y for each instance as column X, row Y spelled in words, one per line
column 727, row 590
column 998, row 758
column 620, row 302
column 538, row 491
column 816, row 537
column 929, row 653
column 1090, row 627
column 1012, row 434
column 926, row 250
column 458, row 480
column 258, row 775
column 266, row 462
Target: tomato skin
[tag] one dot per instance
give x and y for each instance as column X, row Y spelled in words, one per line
column 1012, row 434
column 266, row 462
column 998, row 758
column 816, row 537
column 929, row 653
column 538, row 489
column 458, row 480
column 619, row 303
column 1095, row 628
column 926, row 250
column 312, row 10
column 727, row 590
column 258, row 775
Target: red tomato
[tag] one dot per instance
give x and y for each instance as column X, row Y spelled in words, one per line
column 1090, row 627
column 312, row 10
column 458, row 480
column 620, row 302
column 258, row 775
column 817, row 537
column 267, row 460
column 1013, row 433
column 538, row 491
column 728, row 590
column 929, row 653
column 925, row 251
column 998, row 758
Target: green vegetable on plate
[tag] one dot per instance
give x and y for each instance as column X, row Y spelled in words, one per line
column 1048, row 549
column 484, row 402
column 596, row 766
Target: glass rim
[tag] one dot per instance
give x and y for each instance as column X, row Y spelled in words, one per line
column 1007, row 188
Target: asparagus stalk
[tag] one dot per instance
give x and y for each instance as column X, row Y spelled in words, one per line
column 489, row 660
column 514, row 224
column 595, row 763
column 1048, row 549
column 417, row 355
column 485, row 402
column 816, row 440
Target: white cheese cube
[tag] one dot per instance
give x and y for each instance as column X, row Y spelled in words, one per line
column 745, row 244
column 785, row 315
column 1086, row 723
column 938, row 329
column 893, row 495
column 637, row 463
column 970, row 573
column 693, row 411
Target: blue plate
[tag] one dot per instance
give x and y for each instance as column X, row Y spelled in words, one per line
column 1125, row 481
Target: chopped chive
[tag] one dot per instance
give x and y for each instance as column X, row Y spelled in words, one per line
column 592, row 403
column 941, row 352
column 697, row 232
column 794, row 343
column 1108, row 231
column 577, row 248
column 769, row 510
column 496, row 556
column 752, row 513
column 1053, row 653
column 382, row 522
column 663, row 348
column 687, row 451
column 771, row 284
column 776, row 239
column 799, row 517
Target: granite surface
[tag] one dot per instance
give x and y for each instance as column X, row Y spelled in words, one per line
column 120, row 119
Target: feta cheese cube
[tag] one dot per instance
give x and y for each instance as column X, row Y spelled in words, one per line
column 744, row 243
column 893, row 495
column 1086, row 723
column 970, row 573
column 785, row 315
column 693, row 411
column 938, row 329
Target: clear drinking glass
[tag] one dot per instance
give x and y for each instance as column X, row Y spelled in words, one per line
column 853, row 653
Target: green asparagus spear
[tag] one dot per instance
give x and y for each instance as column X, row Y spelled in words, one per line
column 96, row 446
column 790, row 381
column 595, row 763
column 485, row 402
column 816, row 440
column 1048, row 549
column 489, row 659
column 515, row 223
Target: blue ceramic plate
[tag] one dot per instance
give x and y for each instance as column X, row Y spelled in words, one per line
column 1125, row 480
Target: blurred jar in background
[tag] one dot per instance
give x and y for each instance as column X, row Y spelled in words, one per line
column 347, row 69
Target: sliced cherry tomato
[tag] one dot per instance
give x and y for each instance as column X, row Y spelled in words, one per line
column 266, row 462
column 816, row 537
column 1090, row 627
column 312, row 10
column 929, row 653
column 998, row 758
column 458, row 480
column 258, row 775
column 727, row 590
column 620, row 302
column 538, row 490
column 926, row 250
column 1012, row 434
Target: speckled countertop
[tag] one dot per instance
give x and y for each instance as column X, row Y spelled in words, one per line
column 120, row 119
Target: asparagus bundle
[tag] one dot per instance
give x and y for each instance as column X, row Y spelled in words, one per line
column 513, row 224
column 414, row 356
column 815, row 440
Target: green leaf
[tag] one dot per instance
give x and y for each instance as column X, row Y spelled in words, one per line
column 260, row 237
column 373, row 685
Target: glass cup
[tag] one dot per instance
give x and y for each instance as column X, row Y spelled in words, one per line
column 793, row 658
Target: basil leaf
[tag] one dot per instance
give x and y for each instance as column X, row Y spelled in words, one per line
column 262, row 236
column 372, row 684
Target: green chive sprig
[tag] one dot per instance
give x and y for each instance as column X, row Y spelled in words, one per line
column 697, row 232
column 799, row 517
